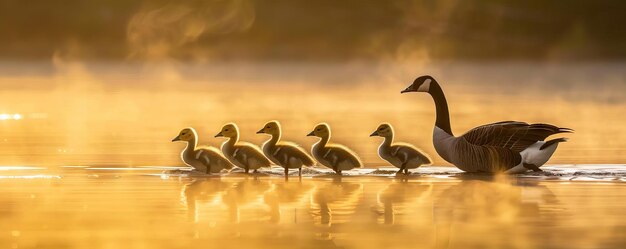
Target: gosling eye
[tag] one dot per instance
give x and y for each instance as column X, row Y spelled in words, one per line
column 318, row 130
column 267, row 127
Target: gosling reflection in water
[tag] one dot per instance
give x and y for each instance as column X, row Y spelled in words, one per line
column 207, row 191
column 287, row 196
column 336, row 201
column 243, row 194
column 500, row 203
column 397, row 197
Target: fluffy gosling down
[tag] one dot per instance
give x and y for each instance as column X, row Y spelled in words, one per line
column 285, row 154
column 401, row 155
column 242, row 154
column 334, row 156
column 204, row 159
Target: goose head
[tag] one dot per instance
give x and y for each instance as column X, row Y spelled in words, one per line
column 186, row 134
column 320, row 130
column 271, row 128
column 229, row 130
column 383, row 130
column 421, row 84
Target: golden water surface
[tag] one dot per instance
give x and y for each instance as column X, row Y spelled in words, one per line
column 75, row 207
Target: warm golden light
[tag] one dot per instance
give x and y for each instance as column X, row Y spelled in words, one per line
column 6, row 116
column 102, row 104
column 129, row 208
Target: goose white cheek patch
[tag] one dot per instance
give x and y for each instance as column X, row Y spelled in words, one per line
column 425, row 86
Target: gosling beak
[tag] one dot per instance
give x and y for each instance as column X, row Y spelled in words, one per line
column 219, row 134
column 310, row 134
column 375, row 133
column 260, row 131
column 177, row 138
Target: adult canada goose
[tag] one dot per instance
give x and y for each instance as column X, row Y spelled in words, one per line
column 285, row 154
column 401, row 155
column 204, row 159
column 510, row 146
column 242, row 154
column 334, row 156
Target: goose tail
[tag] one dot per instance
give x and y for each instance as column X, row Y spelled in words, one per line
column 308, row 160
column 552, row 142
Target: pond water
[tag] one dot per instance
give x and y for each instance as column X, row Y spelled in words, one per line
column 567, row 206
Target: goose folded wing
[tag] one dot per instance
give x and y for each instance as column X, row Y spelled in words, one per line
column 512, row 135
column 295, row 151
column 249, row 152
column 401, row 152
column 242, row 154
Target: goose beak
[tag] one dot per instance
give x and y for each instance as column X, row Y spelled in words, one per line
column 406, row 90
column 310, row 134
column 375, row 133
column 260, row 131
column 219, row 134
column 177, row 138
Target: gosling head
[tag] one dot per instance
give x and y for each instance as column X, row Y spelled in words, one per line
column 228, row 130
column 271, row 128
column 421, row 84
column 186, row 134
column 383, row 130
column 320, row 130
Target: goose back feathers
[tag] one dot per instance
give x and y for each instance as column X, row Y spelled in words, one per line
column 284, row 154
column 493, row 147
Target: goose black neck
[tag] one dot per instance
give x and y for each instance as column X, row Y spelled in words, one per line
column 441, row 106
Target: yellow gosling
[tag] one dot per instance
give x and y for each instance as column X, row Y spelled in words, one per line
column 204, row 159
column 334, row 156
column 401, row 155
column 242, row 154
column 285, row 154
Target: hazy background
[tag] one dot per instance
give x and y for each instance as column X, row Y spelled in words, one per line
column 111, row 82
column 314, row 30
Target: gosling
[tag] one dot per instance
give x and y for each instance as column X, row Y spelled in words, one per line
column 203, row 159
column 334, row 156
column 400, row 155
column 285, row 154
column 242, row 154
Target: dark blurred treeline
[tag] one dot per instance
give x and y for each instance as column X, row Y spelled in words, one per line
column 314, row 30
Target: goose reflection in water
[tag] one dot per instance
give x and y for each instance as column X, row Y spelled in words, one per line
column 205, row 191
column 287, row 196
column 335, row 202
column 495, row 207
column 397, row 197
column 247, row 193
